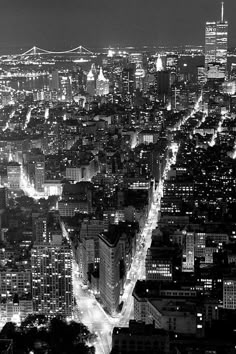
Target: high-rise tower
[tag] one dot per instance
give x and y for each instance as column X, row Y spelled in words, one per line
column 52, row 278
column 139, row 77
column 159, row 65
column 109, row 249
column 55, row 82
column 128, row 81
column 222, row 40
column 210, row 43
column 39, row 175
column 51, row 265
column 14, row 175
column 216, row 42
column 102, row 84
column 91, row 82
column 3, row 198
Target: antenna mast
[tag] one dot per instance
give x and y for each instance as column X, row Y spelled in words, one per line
column 222, row 12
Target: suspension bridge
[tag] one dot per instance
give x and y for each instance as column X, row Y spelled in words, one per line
column 39, row 51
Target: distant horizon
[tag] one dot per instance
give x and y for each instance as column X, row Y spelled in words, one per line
column 56, row 24
column 20, row 49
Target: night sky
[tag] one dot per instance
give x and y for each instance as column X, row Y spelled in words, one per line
column 62, row 24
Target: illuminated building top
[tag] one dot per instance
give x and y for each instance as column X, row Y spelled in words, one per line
column 222, row 12
column 101, row 77
column 159, row 65
column 139, row 71
column 110, row 53
column 90, row 76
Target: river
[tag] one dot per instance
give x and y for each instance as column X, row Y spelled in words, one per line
column 28, row 84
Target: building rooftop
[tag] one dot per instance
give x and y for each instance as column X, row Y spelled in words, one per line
column 111, row 239
column 139, row 328
column 178, row 307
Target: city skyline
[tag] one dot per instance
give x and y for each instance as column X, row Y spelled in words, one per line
column 118, row 177
column 100, row 24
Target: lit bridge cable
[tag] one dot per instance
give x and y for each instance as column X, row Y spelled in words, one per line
column 37, row 51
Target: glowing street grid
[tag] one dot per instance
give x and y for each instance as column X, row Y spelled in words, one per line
column 88, row 310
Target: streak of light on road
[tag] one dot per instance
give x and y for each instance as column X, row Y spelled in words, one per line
column 138, row 270
column 135, row 272
column 28, row 188
column 11, row 115
column 89, row 311
column 28, row 117
column 234, row 152
column 46, row 114
column 92, row 315
column 218, row 130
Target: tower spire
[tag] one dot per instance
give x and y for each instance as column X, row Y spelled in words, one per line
column 222, row 12
column 159, row 65
column 101, row 76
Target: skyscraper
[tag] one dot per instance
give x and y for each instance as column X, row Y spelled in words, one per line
column 188, row 256
column 229, row 293
column 139, row 77
column 66, row 88
column 89, row 256
column 51, row 258
column 51, row 277
column 3, row 198
column 102, row 84
column 55, row 80
column 201, row 76
column 128, row 81
column 14, row 175
column 162, row 80
column 39, row 176
column 40, row 232
column 109, row 271
column 136, row 58
column 172, row 67
column 159, row 64
column 91, row 83
column 222, row 40
column 216, row 41
column 210, row 43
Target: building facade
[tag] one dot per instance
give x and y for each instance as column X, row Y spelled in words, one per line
column 52, row 279
column 109, row 249
column 216, row 42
